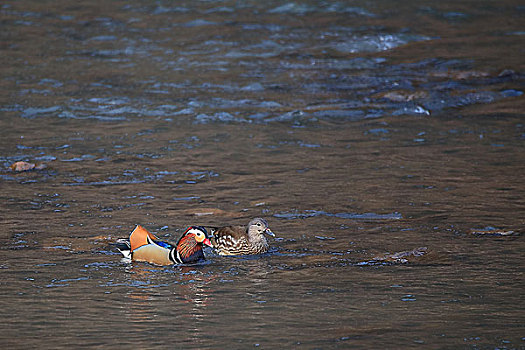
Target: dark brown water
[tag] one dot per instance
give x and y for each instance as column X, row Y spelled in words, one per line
column 383, row 141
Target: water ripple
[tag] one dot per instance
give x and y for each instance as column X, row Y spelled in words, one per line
column 353, row 216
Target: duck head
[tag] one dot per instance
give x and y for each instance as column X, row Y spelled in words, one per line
column 189, row 247
column 198, row 233
column 260, row 226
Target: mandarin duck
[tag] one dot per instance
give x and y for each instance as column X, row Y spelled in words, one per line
column 145, row 246
column 239, row 240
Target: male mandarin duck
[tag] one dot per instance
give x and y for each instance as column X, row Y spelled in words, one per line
column 145, row 246
column 239, row 240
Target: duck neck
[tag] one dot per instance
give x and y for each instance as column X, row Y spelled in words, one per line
column 189, row 250
column 257, row 238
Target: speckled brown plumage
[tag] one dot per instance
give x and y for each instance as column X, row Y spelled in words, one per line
column 240, row 240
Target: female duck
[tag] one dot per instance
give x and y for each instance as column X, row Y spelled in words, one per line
column 239, row 240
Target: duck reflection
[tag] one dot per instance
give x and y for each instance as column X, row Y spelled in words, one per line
column 168, row 295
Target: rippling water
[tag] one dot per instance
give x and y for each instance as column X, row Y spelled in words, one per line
column 383, row 141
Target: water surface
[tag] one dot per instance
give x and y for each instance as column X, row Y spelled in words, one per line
column 382, row 141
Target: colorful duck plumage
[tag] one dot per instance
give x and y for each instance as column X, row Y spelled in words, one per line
column 142, row 245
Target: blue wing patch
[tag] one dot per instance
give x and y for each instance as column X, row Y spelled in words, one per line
column 164, row 244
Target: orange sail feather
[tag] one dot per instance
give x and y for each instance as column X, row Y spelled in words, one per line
column 139, row 237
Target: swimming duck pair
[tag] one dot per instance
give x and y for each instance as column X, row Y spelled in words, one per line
column 227, row 240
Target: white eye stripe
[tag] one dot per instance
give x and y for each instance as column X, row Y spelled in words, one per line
column 195, row 231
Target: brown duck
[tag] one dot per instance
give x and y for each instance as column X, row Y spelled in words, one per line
column 239, row 240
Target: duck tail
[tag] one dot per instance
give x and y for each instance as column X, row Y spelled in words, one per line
column 124, row 247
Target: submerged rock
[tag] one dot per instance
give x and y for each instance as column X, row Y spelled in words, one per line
column 492, row 231
column 25, row 166
column 404, row 256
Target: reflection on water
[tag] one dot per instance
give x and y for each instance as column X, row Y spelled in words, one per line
column 382, row 141
column 186, row 305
